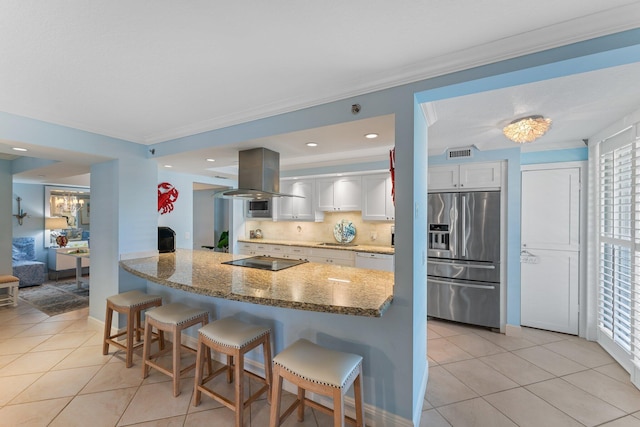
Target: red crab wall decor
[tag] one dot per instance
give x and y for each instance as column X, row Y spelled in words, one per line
column 167, row 196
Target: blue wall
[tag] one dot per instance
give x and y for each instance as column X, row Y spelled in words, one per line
column 6, row 220
column 32, row 203
column 555, row 156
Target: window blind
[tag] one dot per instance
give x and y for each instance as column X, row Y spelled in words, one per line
column 619, row 269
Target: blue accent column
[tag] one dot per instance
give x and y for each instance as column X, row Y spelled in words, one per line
column 123, row 221
column 6, row 220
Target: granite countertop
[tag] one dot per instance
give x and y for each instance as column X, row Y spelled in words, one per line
column 389, row 250
column 310, row 286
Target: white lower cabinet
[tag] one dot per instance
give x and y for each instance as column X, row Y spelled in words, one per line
column 348, row 258
column 246, row 248
column 332, row 256
column 383, row 262
column 254, row 249
column 292, row 252
column 298, row 252
column 278, row 251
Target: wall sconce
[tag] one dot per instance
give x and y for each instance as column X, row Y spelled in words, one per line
column 20, row 215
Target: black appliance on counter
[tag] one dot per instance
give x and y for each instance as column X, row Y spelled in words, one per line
column 266, row 263
column 166, row 240
column 463, row 267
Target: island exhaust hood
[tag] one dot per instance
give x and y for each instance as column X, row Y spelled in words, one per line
column 258, row 176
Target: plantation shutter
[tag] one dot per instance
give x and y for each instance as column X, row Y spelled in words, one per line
column 619, row 272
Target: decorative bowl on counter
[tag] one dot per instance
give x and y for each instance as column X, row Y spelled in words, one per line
column 344, row 231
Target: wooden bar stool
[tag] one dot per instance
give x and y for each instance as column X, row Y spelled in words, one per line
column 174, row 318
column 234, row 339
column 11, row 284
column 328, row 372
column 131, row 305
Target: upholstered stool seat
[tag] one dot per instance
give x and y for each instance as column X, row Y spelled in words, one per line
column 131, row 305
column 173, row 318
column 317, row 369
column 234, row 339
column 11, row 284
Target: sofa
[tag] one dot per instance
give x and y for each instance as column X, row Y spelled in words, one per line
column 25, row 266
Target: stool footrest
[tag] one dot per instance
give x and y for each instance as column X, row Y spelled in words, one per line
column 227, row 402
column 322, row 408
column 166, row 371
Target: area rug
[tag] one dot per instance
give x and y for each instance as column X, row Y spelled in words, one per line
column 55, row 298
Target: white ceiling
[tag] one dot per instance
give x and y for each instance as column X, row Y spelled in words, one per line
column 153, row 71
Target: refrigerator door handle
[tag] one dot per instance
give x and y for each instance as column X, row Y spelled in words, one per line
column 486, row 267
column 453, row 221
column 463, row 208
column 464, row 285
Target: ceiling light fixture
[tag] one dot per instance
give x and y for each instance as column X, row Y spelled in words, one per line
column 20, row 149
column 371, row 135
column 168, row 166
column 312, row 144
column 211, row 160
column 527, row 129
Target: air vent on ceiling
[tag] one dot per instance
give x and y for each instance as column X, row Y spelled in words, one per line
column 458, row 153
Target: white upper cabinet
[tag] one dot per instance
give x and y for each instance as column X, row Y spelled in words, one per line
column 468, row 176
column 377, row 203
column 339, row 194
column 297, row 208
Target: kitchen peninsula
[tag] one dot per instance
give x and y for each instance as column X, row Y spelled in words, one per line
column 309, row 286
column 337, row 307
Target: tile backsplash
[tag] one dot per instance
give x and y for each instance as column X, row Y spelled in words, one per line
column 367, row 232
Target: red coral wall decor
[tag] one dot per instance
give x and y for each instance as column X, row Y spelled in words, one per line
column 167, row 196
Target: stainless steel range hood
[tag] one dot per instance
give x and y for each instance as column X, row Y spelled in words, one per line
column 258, row 176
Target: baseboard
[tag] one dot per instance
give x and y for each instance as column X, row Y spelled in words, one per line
column 513, row 331
column 96, row 321
column 423, row 390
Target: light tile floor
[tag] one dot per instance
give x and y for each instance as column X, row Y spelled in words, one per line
column 53, row 373
column 482, row 378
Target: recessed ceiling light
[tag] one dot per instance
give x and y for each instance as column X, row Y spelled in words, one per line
column 168, row 166
column 371, row 135
column 312, row 144
column 211, row 160
column 20, row 149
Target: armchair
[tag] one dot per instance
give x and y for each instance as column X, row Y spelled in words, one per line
column 25, row 266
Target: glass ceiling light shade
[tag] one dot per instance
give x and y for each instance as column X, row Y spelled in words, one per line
column 527, row 129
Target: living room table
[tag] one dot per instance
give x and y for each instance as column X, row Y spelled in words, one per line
column 78, row 254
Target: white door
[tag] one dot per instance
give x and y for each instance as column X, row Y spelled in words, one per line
column 550, row 250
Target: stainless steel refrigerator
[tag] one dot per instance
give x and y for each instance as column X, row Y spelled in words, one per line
column 463, row 267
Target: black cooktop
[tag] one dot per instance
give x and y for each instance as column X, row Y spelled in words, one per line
column 266, row 263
